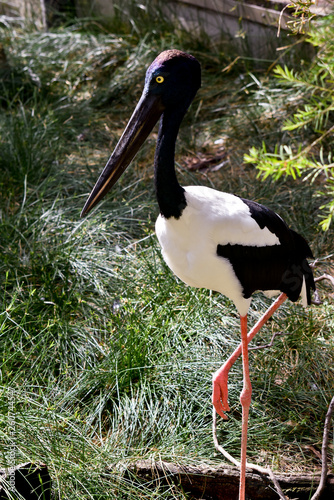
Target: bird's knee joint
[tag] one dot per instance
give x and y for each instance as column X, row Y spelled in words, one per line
column 246, row 397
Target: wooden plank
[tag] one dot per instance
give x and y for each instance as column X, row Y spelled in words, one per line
column 221, row 482
column 241, row 10
column 31, row 481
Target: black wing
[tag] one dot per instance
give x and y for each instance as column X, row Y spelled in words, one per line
column 273, row 267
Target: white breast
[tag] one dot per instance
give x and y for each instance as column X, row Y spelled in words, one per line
column 189, row 244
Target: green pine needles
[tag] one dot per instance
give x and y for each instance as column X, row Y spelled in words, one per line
column 308, row 151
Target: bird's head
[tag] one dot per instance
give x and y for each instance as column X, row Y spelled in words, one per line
column 171, row 83
column 174, row 77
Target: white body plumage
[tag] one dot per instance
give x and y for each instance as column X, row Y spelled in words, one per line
column 189, row 244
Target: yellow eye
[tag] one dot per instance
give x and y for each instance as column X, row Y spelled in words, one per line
column 159, row 79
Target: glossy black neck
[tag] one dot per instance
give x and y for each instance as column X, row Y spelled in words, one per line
column 170, row 194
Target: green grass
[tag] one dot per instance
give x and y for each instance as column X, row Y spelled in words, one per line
column 106, row 357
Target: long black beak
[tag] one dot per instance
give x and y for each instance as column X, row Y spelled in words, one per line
column 142, row 121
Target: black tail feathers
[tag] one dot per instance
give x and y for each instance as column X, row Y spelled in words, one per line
column 298, row 271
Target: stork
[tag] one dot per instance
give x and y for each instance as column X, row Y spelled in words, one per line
column 209, row 239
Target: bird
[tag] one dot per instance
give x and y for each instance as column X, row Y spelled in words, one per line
column 209, row 239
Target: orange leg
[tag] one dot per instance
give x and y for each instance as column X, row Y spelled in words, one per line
column 220, row 377
column 245, row 399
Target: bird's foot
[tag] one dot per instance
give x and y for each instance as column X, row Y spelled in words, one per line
column 220, row 391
